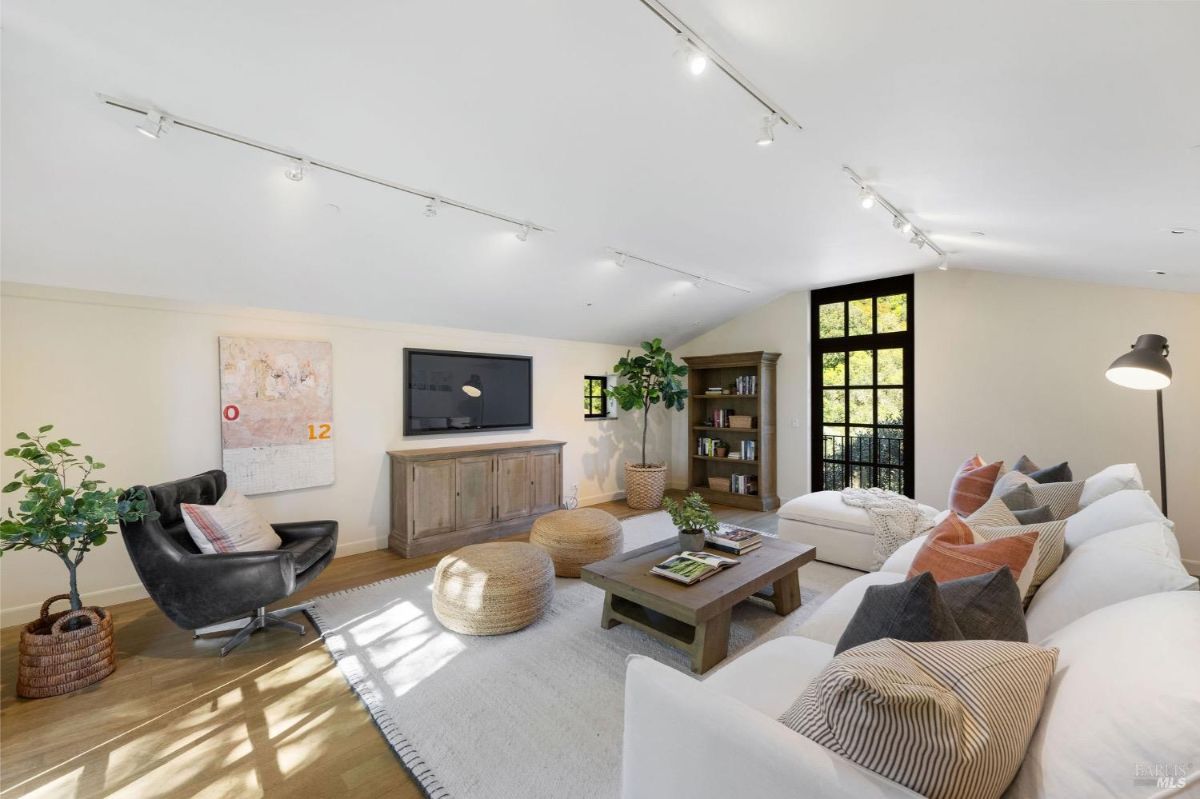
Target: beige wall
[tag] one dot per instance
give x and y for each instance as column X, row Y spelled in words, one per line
column 1009, row 364
column 135, row 380
column 781, row 326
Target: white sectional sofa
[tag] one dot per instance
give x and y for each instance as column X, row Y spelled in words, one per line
column 1122, row 715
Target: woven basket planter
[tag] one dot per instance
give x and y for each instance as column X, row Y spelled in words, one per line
column 645, row 486
column 55, row 660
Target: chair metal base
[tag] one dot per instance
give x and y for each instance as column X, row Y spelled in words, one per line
column 261, row 620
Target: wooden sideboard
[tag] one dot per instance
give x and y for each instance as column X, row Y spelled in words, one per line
column 446, row 497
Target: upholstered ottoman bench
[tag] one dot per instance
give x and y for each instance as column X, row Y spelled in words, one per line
column 841, row 533
column 575, row 538
column 493, row 588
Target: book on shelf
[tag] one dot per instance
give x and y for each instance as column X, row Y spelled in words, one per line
column 692, row 567
column 748, row 450
column 720, row 417
column 746, row 384
column 743, row 483
column 733, row 539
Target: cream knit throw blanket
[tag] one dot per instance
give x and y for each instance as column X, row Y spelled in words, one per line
column 895, row 518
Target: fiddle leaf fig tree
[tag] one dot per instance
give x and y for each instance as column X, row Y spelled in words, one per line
column 65, row 510
column 647, row 379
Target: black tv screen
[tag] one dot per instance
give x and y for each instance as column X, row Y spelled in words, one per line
column 456, row 392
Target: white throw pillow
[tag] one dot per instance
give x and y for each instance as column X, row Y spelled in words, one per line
column 1115, row 511
column 1123, row 706
column 232, row 525
column 1123, row 564
column 1119, row 477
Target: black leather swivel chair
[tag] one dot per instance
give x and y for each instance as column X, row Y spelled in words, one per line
column 212, row 593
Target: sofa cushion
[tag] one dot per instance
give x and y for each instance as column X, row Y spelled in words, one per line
column 1123, row 564
column 1034, row 515
column 972, row 485
column 1118, row 477
column 770, row 676
column 901, row 560
column 993, row 513
column 829, row 621
column 953, row 550
column 909, row 611
column 1124, row 705
column 1063, row 498
column 987, row 606
column 1009, row 482
column 948, row 719
column 1114, row 511
column 827, row 508
column 1025, row 465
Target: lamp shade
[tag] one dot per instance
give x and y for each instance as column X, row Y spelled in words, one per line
column 473, row 387
column 1145, row 366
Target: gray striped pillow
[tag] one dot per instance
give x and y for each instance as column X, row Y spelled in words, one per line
column 948, row 719
column 1049, row 549
column 994, row 513
column 1063, row 498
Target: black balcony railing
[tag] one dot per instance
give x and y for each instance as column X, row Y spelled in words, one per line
column 863, row 462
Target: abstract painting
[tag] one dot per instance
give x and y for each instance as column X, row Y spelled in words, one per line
column 276, row 413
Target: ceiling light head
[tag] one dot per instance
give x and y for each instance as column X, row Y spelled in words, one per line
column 153, row 126
column 296, row 170
column 432, row 207
column 693, row 56
column 1158, row 272
column 906, row 228
column 944, row 264
column 619, row 259
column 918, row 240
column 766, row 136
column 866, row 198
column 523, row 233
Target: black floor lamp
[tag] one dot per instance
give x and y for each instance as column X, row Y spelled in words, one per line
column 1145, row 367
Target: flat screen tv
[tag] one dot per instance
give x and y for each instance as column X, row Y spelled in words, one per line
column 457, row 392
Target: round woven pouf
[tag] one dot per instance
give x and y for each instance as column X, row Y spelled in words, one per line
column 575, row 538
column 492, row 589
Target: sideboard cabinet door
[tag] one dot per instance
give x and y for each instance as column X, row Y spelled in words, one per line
column 476, row 491
column 431, row 493
column 546, row 480
column 513, row 495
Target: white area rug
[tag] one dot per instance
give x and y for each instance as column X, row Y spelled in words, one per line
column 537, row 713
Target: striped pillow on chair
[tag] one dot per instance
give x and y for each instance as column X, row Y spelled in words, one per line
column 948, row 719
column 232, row 525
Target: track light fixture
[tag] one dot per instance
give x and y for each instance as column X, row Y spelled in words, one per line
column 432, row 207
column 620, row 256
column 693, row 56
column 154, row 125
column 523, row 233
column 296, row 170
column 767, row 136
column 869, row 198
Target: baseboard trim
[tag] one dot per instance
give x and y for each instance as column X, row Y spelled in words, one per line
column 596, row 499
column 105, row 597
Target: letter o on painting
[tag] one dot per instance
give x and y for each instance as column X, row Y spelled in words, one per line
column 230, row 413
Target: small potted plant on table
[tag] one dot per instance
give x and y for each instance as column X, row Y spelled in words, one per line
column 692, row 518
column 65, row 651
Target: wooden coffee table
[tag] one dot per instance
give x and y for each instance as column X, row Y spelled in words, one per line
column 695, row 618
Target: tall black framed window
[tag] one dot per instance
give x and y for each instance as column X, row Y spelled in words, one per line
column 862, row 378
column 595, row 403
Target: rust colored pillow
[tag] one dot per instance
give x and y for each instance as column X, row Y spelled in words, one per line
column 953, row 551
column 973, row 484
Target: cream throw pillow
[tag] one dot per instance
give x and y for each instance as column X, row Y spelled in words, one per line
column 1049, row 549
column 232, row 525
column 948, row 719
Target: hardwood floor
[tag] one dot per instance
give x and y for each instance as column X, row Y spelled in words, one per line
column 274, row 718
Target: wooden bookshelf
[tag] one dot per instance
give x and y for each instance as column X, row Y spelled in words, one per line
column 706, row 371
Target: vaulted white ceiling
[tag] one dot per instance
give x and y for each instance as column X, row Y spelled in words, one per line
column 1066, row 132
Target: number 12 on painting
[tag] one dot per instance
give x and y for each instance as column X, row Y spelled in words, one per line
column 320, row 432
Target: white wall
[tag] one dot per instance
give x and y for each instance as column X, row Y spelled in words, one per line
column 1006, row 365
column 780, row 326
column 135, row 381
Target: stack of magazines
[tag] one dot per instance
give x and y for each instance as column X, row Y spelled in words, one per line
column 734, row 540
column 692, row 567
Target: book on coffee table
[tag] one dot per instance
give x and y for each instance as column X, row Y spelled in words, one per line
column 692, row 567
column 735, row 540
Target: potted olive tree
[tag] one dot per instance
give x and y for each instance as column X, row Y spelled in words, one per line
column 648, row 379
column 67, row 512
column 692, row 518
